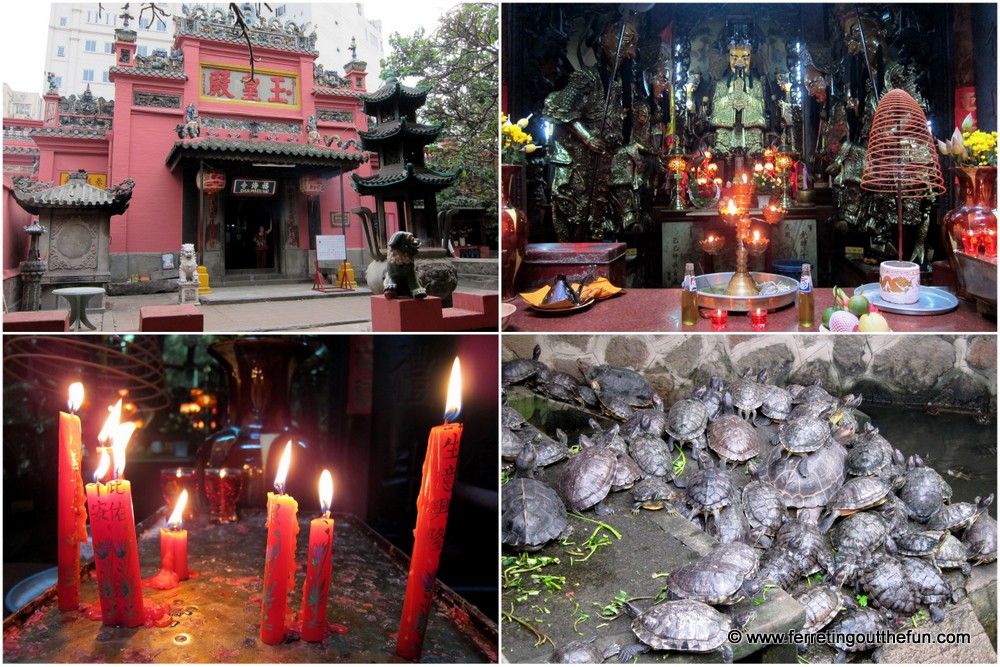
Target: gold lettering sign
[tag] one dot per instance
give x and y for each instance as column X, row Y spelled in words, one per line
column 97, row 180
column 232, row 84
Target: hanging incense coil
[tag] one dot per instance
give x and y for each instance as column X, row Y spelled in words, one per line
column 901, row 157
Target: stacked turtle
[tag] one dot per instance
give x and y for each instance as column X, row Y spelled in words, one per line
column 790, row 473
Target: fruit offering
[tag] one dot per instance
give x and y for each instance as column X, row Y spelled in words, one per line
column 853, row 313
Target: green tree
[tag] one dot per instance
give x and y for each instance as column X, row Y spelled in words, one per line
column 459, row 61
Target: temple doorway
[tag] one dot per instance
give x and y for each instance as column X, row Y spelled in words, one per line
column 245, row 218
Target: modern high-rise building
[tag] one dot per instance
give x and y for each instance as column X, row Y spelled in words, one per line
column 81, row 37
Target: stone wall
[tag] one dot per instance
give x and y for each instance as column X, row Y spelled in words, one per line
column 947, row 371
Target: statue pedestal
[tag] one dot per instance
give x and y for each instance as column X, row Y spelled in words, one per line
column 187, row 293
column 471, row 312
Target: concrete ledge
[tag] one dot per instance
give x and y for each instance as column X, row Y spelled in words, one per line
column 470, row 312
column 171, row 319
column 40, row 320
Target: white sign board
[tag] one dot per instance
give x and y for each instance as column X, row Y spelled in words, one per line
column 331, row 248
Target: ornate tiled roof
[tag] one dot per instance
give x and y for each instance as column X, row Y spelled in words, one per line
column 273, row 151
column 424, row 134
column 344, row 92
column 407, row 97
column 20, row 150
column 35, row 197
column 410, row 177
column 145, row 71
column 221, row 27
column 76, row 132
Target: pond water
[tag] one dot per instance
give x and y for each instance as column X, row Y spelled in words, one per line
column 963, row 451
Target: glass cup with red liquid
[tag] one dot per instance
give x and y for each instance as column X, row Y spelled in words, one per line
column 222, row 488
column 175, row 480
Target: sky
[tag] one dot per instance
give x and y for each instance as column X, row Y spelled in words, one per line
column 24, row 33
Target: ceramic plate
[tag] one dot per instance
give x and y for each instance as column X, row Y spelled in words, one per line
column 932, row 301
column 561, row 311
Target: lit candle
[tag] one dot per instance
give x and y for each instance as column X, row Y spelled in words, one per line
column 317, row 586
column 279, row 559
column 174, row 542
column 112, row 524
column 440, row 466
column 719, row 318
column 72, row 518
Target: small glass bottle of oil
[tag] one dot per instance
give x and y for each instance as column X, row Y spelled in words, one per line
column 806, row 297
column 689, row 296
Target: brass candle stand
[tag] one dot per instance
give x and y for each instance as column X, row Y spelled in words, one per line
column 748, row 242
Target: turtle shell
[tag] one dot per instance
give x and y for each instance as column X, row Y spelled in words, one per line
column 810, row 546
column 777, row 403
column 520, row 370
column 708, row 581
column 922, row 492
column 821, row 604
column 627, row 473
column 868, row 458
column 885, row 579
column 531, row 514
column 918, row 542
column 587, row 477
column 858, row 493
column 803, row 435
column 957, row 515
column 747, row 393
column 826, row 475
column 780, row 567
column 652, row 493
column 710, row 489
column 623, row 383
column 741, row 556
column 582, row 653
column 813, row 393
column 764, row 506
column 864, row 530
column 855, row 623
column 682, row 625
column 511, row 418
column 730, row 525
column 686, row 419
column 510, row 444
column 952, row 555
column 652, row 454
column 928, row 582
column 733, row 439
column 547, row 450
column 981, row 540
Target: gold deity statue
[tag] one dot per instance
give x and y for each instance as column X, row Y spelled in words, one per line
column 738, row 105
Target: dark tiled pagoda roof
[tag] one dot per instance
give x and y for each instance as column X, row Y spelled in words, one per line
column 393, row 92
column 148, row 71
column 35, row 197
column 272, row 151
column 417, row 178
column 419, row 133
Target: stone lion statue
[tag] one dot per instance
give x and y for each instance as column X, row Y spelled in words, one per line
column 400, row 273
column 188, row 264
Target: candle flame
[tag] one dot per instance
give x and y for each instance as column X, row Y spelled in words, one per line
column 122, row 436
column 111, row 425
column 174, row 522
column 286, row 459
column 102, row 466
column 744, row 177
column 75, row 396
column 325, row 492
column 453, row 405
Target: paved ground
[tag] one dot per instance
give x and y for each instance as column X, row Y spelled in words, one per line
column 293, row 307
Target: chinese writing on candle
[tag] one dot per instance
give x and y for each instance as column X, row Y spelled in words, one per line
column 72, row 518
column 317, row 587
column 279, row 559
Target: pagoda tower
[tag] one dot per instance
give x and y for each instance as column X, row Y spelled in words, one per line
column 402, row 176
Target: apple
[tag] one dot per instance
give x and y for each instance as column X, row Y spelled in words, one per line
column 872, row 322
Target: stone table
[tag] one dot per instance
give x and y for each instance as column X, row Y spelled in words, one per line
column 216, row 616
column 78, row 298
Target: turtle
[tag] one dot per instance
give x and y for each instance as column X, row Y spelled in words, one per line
column 747, row 394
column 517, row 371
column 652, row 420
column 869, row 458
column 776, row 406
column 610, row 439
column 843, row 422
column 587, row 396
column 709, row 490
column 921, row 489
column 730, row 525
column 509, row 417
column 811, row 393
column 888, row 587
column 803, row 435
column 653, row 455
column 952, row 555
column 511, row 443
column 623, row 383
column 857, row 493
column 616, row 407
column 920, row 543
column 932, row 589
column 627, row 473
column 711, row 580
column 895, row 512
column 558, row 386
column 780, row 567
column 586, row 479
column 821, row 604
column 959, row 515
column 739, row 555
column 652, row 493
column 584, row 652
column 980, row 540
column 853, row 630
column 712, row 396
column 807, row 492
column 764, row 506
column 686, row 421
column 733, row 439
column 810, row 546
column 681, row 625
column 547, row 449
column 532, row 514
column 854, row 539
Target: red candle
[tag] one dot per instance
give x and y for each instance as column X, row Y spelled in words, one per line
column 72, row 516
column 279, row 560
column 112, row 524
column 440, row 466
column 174, row 542
column 317, row 586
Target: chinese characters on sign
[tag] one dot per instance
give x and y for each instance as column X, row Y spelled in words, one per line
column 254, row 187
column 222, row 83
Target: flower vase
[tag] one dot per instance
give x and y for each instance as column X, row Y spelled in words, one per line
column 972, row 227
column 258, row 373
column 513, row 233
